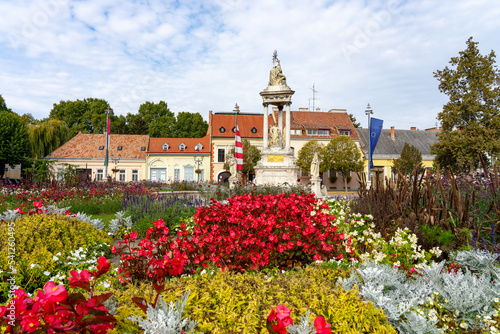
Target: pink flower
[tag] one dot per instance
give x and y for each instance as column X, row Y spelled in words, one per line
column 55, row 293
column 282, row 312
column 37, row 204
column 321, row 326
column 133, row 235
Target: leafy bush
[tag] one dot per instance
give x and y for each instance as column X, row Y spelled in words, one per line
column 225, row 302
column 251, row 232
column 46, row 245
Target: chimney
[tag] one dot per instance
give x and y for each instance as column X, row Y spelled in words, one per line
column 413, row 128
column 392, row 133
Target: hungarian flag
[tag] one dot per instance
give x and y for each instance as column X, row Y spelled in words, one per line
column 238, row 150
column 108, row 131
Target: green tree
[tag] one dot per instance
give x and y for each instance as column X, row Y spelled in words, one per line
column 14, row 141
column 190, row 125
column 306, row 155
column 342, row 155
column 158, row 119
column 87, row 115
column 3, row 105
column 410, row 159
column 354, row 121
column 47, row 136
column 471, row 119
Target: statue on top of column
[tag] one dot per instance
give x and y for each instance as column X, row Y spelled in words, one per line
column 276, row 76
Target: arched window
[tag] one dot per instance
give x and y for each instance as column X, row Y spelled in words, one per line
column 165, row 147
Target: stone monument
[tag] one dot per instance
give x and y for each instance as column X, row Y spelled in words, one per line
column 315, row 179
column 277, row 164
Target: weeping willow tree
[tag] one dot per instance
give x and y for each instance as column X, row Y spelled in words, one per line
column 47, row 136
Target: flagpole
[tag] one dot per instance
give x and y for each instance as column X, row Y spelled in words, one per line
column 107, row 144
column 369, row 111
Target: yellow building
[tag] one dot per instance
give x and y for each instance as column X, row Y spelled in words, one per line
column 390, row 145
column 12, row 172
column 178, row 159
column 127, row 156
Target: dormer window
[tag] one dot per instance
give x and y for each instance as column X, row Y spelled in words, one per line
column 164, row 147
column 233, row 129
column 344, row 132
column 182, row 147
column 222, row 129
column 198, row 147
column 324, row 132
column 101, row 148
column 254, row 130
column 143, row 148
column 120, row 148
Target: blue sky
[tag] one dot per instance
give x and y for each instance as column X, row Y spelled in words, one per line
column 209, row 55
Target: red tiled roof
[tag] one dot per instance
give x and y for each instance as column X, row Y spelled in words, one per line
column 333, row 121
column 86, row 146
column 246, row 122
column 155, row 145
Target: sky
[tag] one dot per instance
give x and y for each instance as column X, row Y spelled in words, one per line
column 210, row 55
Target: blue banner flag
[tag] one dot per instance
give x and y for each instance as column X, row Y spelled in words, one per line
column 375, row 130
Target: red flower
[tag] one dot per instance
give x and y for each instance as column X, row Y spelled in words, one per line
column 37, row 204
column 282, row 312
column 280, row 328
column 321, row 326
column 30, row 322
column 133, row 235
column 55, row 293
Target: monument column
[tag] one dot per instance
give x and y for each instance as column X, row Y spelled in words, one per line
column 280, row 119
column 287, row 126
column 266, row 126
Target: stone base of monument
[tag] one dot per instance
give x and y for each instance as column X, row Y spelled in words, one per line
column 316, row 188
column 276, row 167
column 232, row 181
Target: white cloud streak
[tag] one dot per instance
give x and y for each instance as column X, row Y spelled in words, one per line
column 208, row 55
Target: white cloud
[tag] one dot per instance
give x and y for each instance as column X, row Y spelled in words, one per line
column 199, row 56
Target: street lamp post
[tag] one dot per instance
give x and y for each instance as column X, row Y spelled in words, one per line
column 369, row 112
column 115, row 160
column 198, row 161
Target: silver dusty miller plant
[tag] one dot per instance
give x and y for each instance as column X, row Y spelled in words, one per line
column 304, row 327
column 167, row 318
column 120, row 220
column 468, row 293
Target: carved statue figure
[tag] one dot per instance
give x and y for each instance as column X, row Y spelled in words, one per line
column 315, row 167
column 276, row 76
column 274, row 135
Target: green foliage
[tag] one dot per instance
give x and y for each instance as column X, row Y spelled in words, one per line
column 3, row 105
column 87, row 115
column 156, row 117
column 94, row 205
column 47, row 136
column 342, row 155
column 410, row 159
column 43, row 246
column 225, row 302
column 354, row 121
column 471, row 118
column 189, row 125
column 14, row 142
column 40, row 171
column 306, row 155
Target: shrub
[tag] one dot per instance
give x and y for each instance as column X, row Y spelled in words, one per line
column 48, row 244
column 226, row 302
column 252, row 232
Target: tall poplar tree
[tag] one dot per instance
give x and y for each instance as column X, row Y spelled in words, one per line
column 471, row 118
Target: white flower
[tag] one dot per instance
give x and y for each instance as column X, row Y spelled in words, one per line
column 33, row 265
column 55, row 258
column 46, row 273
column 464, row 325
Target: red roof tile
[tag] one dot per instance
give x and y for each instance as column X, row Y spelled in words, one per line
column 86, row 146
column 156, row 145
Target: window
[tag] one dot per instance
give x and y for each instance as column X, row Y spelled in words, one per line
column 60, row 174
column 182, row 147
column 177, row 174
column 221, row 155
column 143, row 148
column 135, row 175
column 233, row 129
column 304, row 174
column 344, row 132
column 254, row 130
column 188, row 173
column 101, row 148
column 222, row 130
column 198, row 147
column 312, row 132
column 121, row 176
column 100, row 174
column 324, row 132
column 295, row 131
column 164, row 147
column 120, row 148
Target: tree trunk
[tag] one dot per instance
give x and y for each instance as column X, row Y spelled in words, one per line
column 2, row 166
column 345, row 183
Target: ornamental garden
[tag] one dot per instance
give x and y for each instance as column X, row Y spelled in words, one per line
column 417, row 256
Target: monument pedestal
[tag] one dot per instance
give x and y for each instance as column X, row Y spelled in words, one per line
column 276, row 166
column 316, row 188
